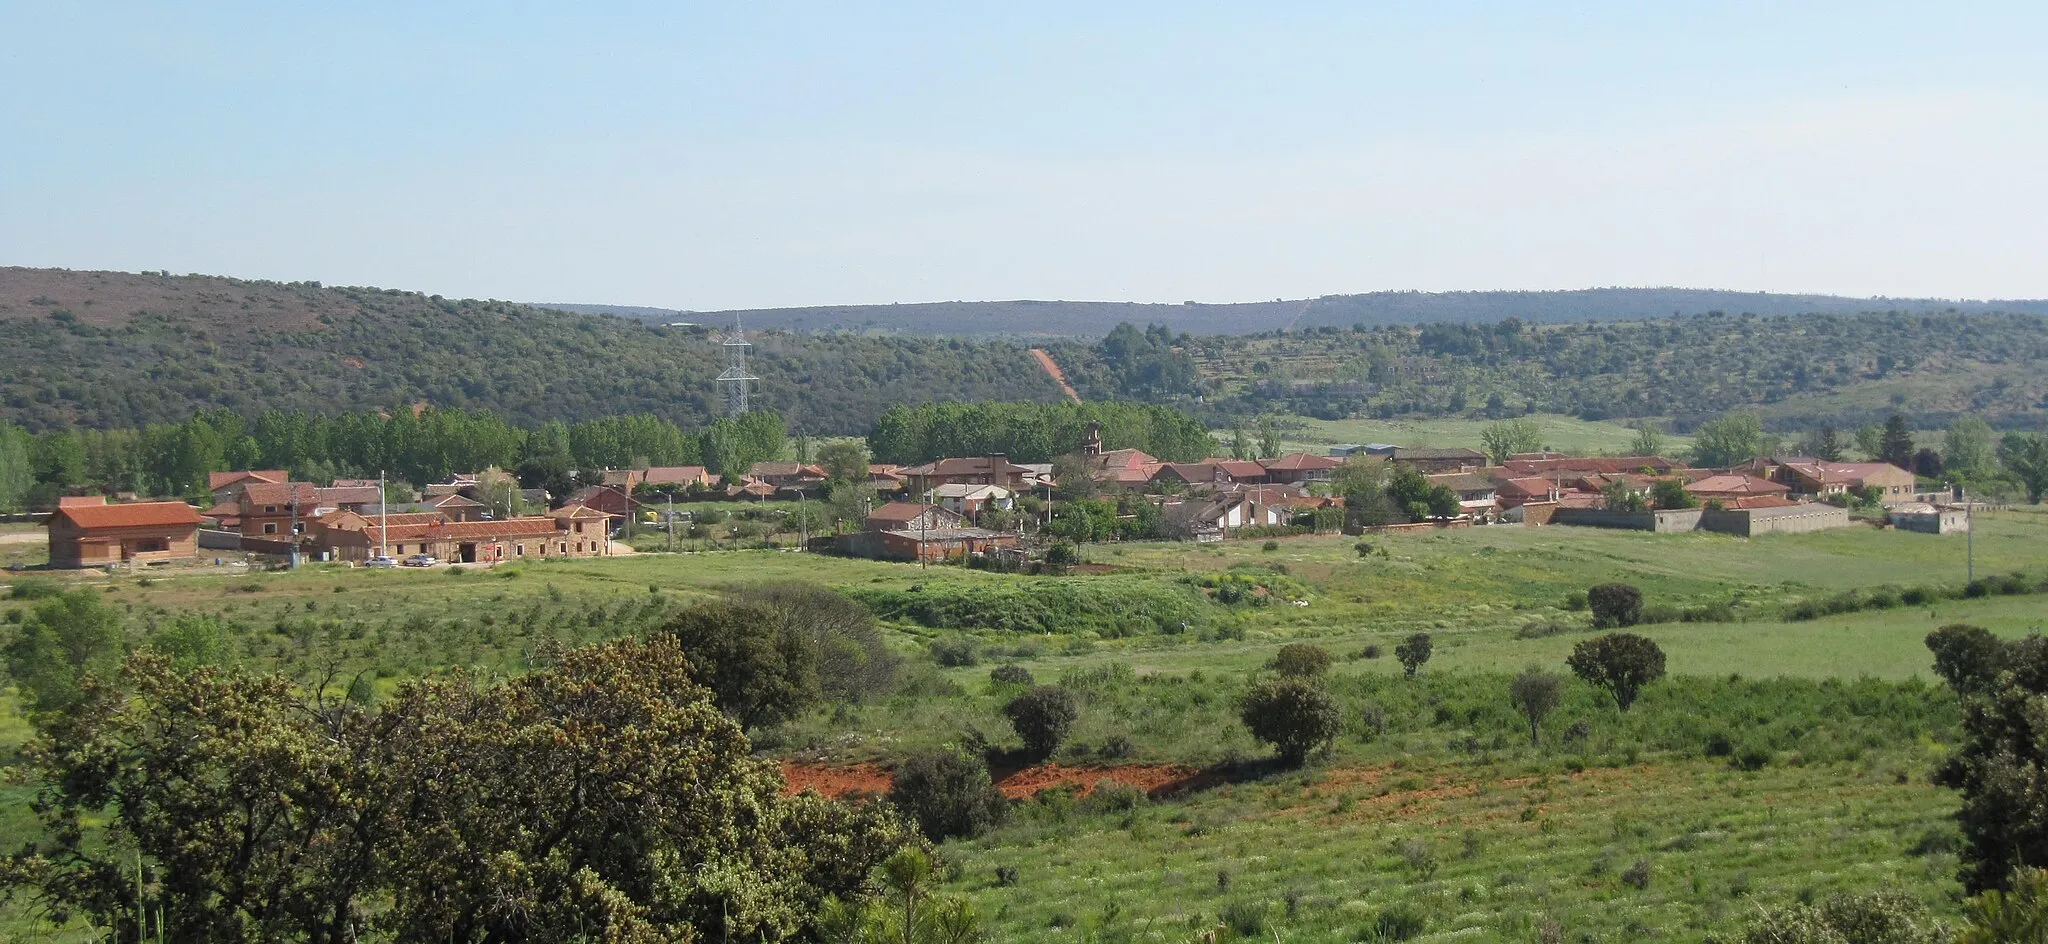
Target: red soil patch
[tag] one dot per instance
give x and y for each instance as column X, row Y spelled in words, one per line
column 835, row 781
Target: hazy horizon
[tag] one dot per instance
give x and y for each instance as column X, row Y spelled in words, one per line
column 700, row 157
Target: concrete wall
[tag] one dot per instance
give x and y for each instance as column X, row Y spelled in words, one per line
column 1795, row 519
column 1945, row 521
column 1661, row 522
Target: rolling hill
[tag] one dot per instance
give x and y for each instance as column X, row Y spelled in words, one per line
column 1068, row 319
column 111, row 349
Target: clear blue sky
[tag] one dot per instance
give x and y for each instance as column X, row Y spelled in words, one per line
column 710, row 155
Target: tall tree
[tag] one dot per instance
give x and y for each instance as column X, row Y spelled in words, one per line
column 1968, row 450
column 1648, row 441
column 1507, row 438
column 1731, row 440
column 1896, row 445
column 2026, row 457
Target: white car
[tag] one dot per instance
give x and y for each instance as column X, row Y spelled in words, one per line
column 380, row 562
column 421, row 560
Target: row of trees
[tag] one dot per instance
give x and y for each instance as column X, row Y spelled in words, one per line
column 1970, row 452
column 1033, row 432
column 417, row 447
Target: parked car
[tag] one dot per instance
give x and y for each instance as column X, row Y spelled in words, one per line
column 421, row 560
column 380, row 562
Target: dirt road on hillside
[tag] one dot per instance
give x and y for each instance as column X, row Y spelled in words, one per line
column 1052, row 369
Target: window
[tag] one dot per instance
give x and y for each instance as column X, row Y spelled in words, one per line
column 519, row 550
column 270, row 528
column 270, row 509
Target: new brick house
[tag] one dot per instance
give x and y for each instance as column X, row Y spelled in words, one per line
column 92, row 533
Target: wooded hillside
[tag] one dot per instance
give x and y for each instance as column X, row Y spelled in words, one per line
column 109, row 349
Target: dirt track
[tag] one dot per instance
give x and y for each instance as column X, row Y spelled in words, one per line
column 1052, row 369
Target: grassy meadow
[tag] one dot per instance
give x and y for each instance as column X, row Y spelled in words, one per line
column 1677, row 819
column 1562, row 433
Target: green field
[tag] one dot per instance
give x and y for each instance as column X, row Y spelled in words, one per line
column 1427, row 808
column 1561, row 433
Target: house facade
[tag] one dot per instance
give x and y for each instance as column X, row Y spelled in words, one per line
column 95, row 534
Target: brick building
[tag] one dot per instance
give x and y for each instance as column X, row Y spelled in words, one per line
column 92, row 533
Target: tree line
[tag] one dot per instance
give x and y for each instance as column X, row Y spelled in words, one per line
column 430, row 445
column 1033, row 432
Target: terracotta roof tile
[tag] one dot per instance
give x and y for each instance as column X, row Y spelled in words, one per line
column 138, row 515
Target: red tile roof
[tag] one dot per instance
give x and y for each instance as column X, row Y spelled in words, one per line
column 215, row 481
column 138, row 515
column 898, row 511
column 1736, row 485
column 675, row 475
column 1600, row 464
column 279, row 493
column 1301, row 462
column 349, row 495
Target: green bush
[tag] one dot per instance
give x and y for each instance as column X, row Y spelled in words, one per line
column 1881, row 918
column 1042, row 718
column 1400, row 921
column 948, row 795
column 1293, row 715
column 1010, row 673
column 1615, row 605
column 955, row 652
column 1301, row 660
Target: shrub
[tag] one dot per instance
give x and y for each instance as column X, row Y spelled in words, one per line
column 33, row 588
column 1400, row 921
column 1113, row 796
column 955, row 652
column 1751, row 757
column 1621, row 663
column 1010, row 673
column 1637, row 875
column 1373, row 718
column 1364, row 548
column 1615, row 605
column 1301, row 660
column 1245, row 917
column 1881, row 918
column 1966, row 657
column 1719, row 744
column 1658, row 613
column 1293, row 715
column 948, row 795
column 1270, row 546
column 1708, row 613
column 1371, row 651
column 1042, row 717
column 1574, row 602
column 1413, row 652
column 1535, row 694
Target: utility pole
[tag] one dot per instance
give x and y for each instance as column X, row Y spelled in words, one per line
column 383, row 517
column 1969, row 534
column 671, row 522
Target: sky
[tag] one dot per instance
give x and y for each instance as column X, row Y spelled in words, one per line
column 757, row 154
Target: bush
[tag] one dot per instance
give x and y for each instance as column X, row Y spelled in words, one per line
column 1400, row 921
column 1615, row 605
column 1293, row 715
column 948, row 795
column 1535, row 694
column 1574, row 602
column 1719, row 744
column 1966, row 657
column 1621, row 663
column 1659, row 613
column 1010, row 673
column 1270, row 546
column 1413, row 652
column 1708, row 613
column 1637, row 875
column 1113, row 796
column 1245, row 917
column 1881, row 918
column 1371, row 651
column 32, row 588
column 1042, row 717
column 1751, row 757
column 955, row 652
column 1301, row 660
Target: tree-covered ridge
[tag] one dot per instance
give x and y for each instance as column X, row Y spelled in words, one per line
column 1845, row 370
column 120, row 350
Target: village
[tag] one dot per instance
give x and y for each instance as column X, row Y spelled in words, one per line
column 980, row 509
